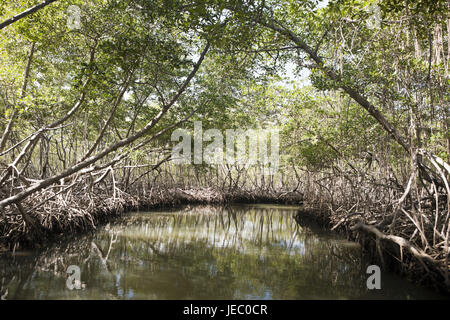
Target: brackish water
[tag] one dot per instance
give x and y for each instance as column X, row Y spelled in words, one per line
column 239, row 252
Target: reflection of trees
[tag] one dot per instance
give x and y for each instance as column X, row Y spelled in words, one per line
column 33, row 275
column 198, row 253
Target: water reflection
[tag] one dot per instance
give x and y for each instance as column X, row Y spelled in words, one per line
column 239, row 252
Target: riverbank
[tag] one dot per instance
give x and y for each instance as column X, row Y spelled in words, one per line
column 48, row 216
column 202, row 252
column 390, row 252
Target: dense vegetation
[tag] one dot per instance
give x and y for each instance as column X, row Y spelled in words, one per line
column 88, row 113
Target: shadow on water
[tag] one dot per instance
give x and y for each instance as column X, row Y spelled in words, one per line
column 238, row 252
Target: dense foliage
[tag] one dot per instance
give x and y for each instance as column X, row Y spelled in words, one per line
column 366, row 134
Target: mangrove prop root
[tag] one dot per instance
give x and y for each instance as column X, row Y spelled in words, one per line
column 402, row 243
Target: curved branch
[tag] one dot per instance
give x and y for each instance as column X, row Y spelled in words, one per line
column 403, row 243
column 25, row 13
column 115, row 146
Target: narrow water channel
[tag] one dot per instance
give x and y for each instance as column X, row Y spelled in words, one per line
column 238, row 252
